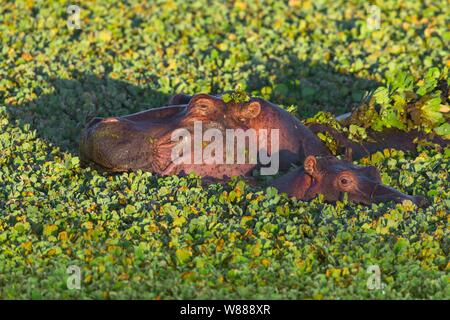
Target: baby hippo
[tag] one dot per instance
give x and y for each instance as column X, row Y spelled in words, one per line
column 333, row 177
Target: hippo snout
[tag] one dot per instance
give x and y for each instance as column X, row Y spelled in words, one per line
column 383, row 193
column 421, row 201
column 114, row 144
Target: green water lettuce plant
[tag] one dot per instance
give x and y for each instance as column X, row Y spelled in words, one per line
column 139, row 236
column 407, row 104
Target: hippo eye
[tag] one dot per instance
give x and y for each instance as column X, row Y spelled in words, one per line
column 345, row 181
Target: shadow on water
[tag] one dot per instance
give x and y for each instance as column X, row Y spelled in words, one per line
column 60, row 116
column 310, row 85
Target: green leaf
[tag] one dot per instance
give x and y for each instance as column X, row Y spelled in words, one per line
column 443, row 130
column 430, row 110
column 393, row 120
column 179, row 221
column 226, row 97
column 183, row 255
column 381, row 96
column 401, row 244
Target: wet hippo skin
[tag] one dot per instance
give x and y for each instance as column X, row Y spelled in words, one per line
column 143, row 140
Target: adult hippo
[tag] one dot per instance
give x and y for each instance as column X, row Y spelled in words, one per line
column 144, row 141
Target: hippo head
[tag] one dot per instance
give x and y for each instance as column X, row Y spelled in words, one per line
column 143, row 140
column 333, row 178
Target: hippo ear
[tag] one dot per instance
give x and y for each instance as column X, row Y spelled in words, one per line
column 250, row 110
column 310, row 165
